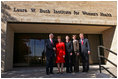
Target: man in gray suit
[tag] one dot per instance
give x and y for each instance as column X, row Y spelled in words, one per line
column 84, row 52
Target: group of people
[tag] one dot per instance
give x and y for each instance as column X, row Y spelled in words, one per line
column 67, row 52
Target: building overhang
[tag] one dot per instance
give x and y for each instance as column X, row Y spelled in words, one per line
column 57, row 28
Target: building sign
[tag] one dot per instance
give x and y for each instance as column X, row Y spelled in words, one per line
column 54, row 11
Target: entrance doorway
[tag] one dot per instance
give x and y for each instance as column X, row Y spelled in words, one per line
column 29, row 48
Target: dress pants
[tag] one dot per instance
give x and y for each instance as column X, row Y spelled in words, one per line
column 49, row 65
column 76, row 62
column 85, row 61
column 69, row 61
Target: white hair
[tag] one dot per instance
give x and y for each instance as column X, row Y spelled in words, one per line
column 51, row 34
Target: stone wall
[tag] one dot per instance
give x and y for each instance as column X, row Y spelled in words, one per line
column 44, row 12
column 110, row 42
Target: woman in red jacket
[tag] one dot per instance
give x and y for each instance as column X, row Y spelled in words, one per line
column 60, row 54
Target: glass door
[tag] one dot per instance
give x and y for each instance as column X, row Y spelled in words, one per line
column 37, row 52
column 29, row 52
column 21, row 50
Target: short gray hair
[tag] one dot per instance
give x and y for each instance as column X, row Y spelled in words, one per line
column 51, row 34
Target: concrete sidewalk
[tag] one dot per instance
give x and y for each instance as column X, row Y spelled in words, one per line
column 39, row 72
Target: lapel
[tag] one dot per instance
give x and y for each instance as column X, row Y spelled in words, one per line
column 49, row 41
column 73, row 42
column 84, row 41
column 80, row 41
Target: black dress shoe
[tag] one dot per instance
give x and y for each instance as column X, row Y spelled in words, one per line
column 86, row 70
column 51, row 73
column 83, row 71
column 76, row 71
column 67, row 71
column 61, row 72
column 47, row 74
column 58, row 72
column 71, row 71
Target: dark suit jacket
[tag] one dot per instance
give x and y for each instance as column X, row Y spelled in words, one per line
column 85, row 47
column 68, row 47
column 49, row 48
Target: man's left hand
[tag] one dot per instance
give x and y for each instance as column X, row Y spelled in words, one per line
column 71, row 53
column 89, row 52
column 77, row 53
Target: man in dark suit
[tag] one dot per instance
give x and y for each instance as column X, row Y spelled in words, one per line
column 50, row 54
column 84, row 52
column 68, row 57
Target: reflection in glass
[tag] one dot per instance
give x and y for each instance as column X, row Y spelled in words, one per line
column 29, row 52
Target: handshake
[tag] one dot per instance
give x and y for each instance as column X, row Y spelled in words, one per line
column 54, row 48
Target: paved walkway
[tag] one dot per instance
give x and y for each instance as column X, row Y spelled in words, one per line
column 39, row 72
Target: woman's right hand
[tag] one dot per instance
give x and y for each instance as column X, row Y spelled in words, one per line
column 63, row 56
column 54, row 48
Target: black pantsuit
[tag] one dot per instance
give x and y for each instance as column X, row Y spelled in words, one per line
column 69, row 60
column 68, row 57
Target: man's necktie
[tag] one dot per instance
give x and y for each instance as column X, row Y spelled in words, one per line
column 51, row 42
column 82, row 42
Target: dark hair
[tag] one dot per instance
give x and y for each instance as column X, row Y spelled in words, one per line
column 74, row 35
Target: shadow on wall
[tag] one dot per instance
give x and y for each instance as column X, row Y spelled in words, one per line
column 108, row 36
column 5, row 17
column 2, row 49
